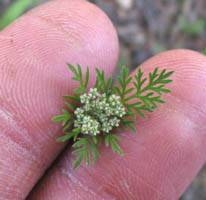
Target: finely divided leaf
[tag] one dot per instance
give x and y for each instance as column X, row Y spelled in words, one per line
column 149, row 90
column 78, row 76
column 124, row 88
column 73, row 134
column 85, row 151
column 103, row 84
column 72, row 98
column 112, row 141
column 63, row 118
column 129, row 124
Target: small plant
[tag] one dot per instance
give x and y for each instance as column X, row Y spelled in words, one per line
column 92, row 116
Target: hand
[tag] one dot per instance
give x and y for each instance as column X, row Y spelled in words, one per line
column 160, row 160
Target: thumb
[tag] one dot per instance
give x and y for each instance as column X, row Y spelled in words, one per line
column 34, row 77
column 160, row 160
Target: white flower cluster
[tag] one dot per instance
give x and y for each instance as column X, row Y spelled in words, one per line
column 98, row 113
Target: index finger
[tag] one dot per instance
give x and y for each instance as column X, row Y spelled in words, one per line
column 34, row 77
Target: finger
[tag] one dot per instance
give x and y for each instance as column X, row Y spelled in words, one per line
column 161, row 159
column 34, row 77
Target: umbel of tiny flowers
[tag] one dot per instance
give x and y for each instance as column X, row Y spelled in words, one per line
column 92, row 115
column 99, row 113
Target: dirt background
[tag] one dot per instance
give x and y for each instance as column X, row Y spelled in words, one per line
column 146, row 27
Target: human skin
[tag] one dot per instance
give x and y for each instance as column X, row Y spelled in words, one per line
column 160, row 160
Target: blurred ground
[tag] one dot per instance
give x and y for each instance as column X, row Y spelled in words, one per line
column 146, row 27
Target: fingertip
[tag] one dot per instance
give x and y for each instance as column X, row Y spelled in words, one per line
column 77, row 28
column 189, row 74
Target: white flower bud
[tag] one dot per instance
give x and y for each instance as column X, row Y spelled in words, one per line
column 98, row 112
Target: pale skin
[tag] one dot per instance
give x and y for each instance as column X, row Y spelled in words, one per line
column 160, row 160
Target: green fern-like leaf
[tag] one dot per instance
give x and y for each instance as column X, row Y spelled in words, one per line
column 112, row 141
column 129, row 123
column 85, row 150
column 70, row 135
column 63, row 118
column 102, row 83
column 149, row 90
column 123, row 89
column 78, row 76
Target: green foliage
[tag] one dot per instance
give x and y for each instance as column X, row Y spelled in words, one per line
column 123, row 89
column 15, row 10
column 86, row 150
column 137, row 94
column 129, row 123
column 204, row 51
column 194, row 28
column 149, row 90
column 70, row 135
column 83, row 81
column 63, row 118
column 111, row 140
column 102, row 84
column 143, row 94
